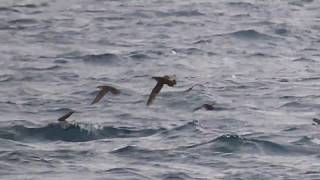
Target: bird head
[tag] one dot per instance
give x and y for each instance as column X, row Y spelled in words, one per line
column 172, row 80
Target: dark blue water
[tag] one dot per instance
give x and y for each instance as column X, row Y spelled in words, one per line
column 258, row 61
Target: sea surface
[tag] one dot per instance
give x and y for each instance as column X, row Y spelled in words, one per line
column 257, row 61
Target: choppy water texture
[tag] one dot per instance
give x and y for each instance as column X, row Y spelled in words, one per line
column 257, row 60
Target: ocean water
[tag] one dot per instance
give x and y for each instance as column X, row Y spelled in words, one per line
column 257, row 60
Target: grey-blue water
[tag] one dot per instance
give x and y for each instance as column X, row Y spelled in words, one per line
column 258, row 60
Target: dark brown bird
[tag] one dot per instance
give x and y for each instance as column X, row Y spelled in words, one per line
column 103, row 91
column 66, row 116
column 317, row 121
column 168, row 80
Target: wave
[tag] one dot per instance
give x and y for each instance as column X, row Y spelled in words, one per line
column 223, row 144
column 53, row 67
column 102, row 59
column 139, row 56
column 7, row 9
column 59, row 110
column 176, row 175
column 251, row 34
column 298, row 105
column 23, row 21
column 182, row 13
column 126, row 173
column 261, row 54
column 305, row 140
column 71, row 132
column 190, row 51
column 140, row 153
column 139, row 14
column 235, row 144
column 300, row 3
column 60, row 61
column 304, row 60
column 203, row 41
column 131, row 149
column 6, row 77
column 281, row 31
column 308, row 79
column 241, row 4
column 31, row 5
column 189, row 128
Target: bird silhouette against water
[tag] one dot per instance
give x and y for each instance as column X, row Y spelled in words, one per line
column 103, row 91
column 168, row 80
column 66, row 116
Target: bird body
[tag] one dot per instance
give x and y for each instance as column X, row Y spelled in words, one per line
column 103, row 91
column 168, row 80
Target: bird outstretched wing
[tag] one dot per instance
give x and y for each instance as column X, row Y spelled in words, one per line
column 155, row 91
column 66, row 116
column 102, row 92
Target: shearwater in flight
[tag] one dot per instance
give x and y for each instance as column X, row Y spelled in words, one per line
column 168, row 80
column 103, row 91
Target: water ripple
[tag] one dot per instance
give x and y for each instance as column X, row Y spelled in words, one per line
column 71, row 133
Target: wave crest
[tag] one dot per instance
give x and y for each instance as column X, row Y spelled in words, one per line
column 251, row 34
column 236, row 144
column 101, row 59
column 71, row 133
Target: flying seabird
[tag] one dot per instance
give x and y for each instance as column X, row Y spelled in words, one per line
column 103, row 91
column 66, row 116
column 168, row 80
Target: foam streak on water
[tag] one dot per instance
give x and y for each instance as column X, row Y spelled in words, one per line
column 258, row 61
